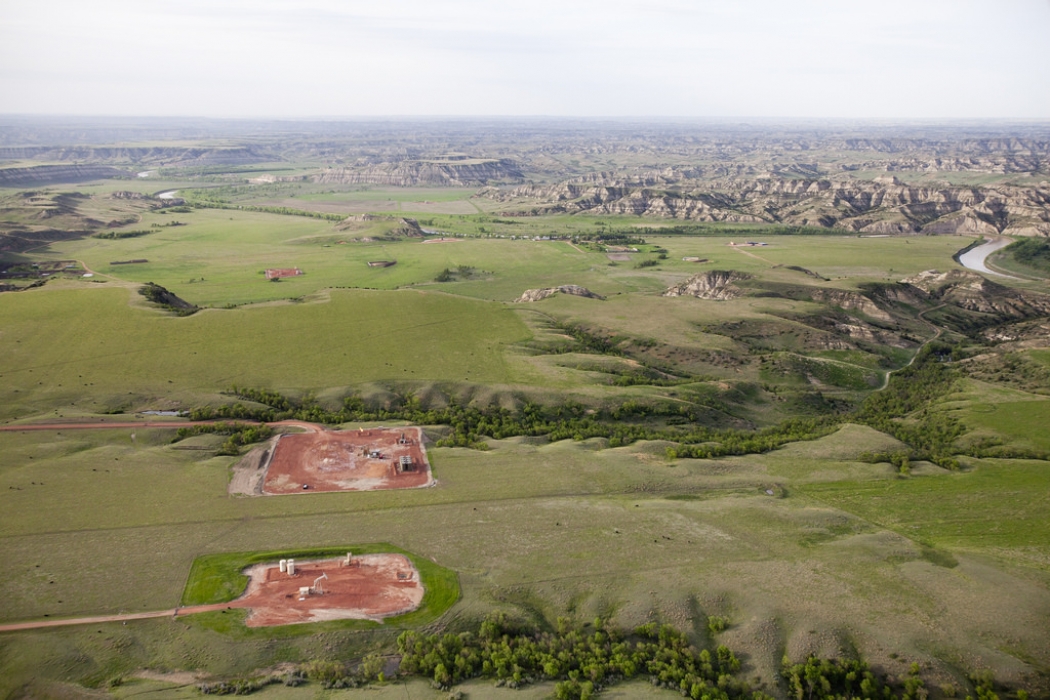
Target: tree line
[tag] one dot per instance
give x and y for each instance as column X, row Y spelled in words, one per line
column 239, row 434
column 902, row 410
column 469, row 425
column 583, row 663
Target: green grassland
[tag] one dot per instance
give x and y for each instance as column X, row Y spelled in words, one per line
column 559, row 529
column 805, row 549
column 96, row 347
column 218, row 258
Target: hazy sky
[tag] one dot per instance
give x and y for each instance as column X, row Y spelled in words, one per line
column 773, row 58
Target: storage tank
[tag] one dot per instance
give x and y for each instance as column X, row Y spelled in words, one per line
column 283, row 564
column 291, row 567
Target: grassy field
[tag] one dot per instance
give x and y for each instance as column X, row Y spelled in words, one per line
column 804, row 549
column 996, row 507
column 218, row 256
column 96, row 348
column 560, row 529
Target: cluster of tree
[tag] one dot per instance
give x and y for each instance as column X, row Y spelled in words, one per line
column 608, row 237
column 287, row 211
column 635, row 375
column 338, row 674
column 239, row 686
column 831, row 679
column 163, row 297
column 247, row 686
column 930, row 434
column 116, row 235
column 582, row 663
column 725, row 443
column 1032, row 252
column 451, row 275
column 900, row 459
column 588, row 340
column 240, row 434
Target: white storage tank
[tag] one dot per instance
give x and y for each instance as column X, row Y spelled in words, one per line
column 283, row 564
column 291, row 567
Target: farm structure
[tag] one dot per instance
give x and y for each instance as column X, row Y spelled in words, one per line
column 276, row 273
column 362, row 587
column 348, row 460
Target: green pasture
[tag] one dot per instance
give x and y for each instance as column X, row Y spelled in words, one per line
column 996, row 507
column 96, row 347
column 1024, row 423
column 218, row 257
column 1015, row 417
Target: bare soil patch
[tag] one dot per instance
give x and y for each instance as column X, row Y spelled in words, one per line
column 348, row 460
column 371, row 587
column 274, row 273
column 619, row 257
column 248, row 473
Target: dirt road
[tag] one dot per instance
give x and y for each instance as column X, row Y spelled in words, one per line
column 97, row 619
column 309, row 427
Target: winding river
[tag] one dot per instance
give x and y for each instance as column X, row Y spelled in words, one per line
column 974, row 258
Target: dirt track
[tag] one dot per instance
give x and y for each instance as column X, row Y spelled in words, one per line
column 175, row 612
column 740, row 249
column 309, row 427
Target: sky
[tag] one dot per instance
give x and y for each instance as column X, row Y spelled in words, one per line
column 889, row 59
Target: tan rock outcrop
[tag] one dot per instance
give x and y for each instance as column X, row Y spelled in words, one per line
column 716, row 284
column 573, row 289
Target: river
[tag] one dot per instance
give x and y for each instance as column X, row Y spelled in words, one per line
column 974, row 258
